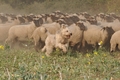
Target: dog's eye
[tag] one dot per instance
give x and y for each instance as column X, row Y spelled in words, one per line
column 66, row 31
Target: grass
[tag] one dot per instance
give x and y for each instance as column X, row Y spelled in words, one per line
column 30, row 65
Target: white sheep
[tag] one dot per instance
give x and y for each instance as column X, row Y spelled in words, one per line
column 22, row 32
column 39, row 36
column 4, row 28
column 55, row 26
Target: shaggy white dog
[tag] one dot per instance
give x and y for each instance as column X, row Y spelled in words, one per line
column 59, row 40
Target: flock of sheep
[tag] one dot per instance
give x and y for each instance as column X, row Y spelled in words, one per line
column 80, row 31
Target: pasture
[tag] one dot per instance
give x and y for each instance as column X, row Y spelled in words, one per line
column 27, row 64
column 30, row 65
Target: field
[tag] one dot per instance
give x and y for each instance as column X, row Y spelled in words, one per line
column 26, row 64
column 30, row 65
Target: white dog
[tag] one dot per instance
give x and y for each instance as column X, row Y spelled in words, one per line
column 59, row 40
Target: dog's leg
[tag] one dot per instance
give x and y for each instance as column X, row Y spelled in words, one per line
column 67, row 46
column 49, row 50
column 63, row 47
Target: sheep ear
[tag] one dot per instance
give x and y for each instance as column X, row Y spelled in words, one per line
column 14, row 18
column 43, row 29
column 77, row 23
column 103, row 28
column 110, row 26
column 81, row 26
column 61, row 22
column 57, row 21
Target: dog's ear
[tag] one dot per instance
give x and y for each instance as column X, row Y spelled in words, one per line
column 63, row 26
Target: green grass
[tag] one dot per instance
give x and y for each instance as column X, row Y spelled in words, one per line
column 30, row 65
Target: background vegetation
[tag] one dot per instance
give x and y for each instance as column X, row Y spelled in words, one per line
column 69, row 6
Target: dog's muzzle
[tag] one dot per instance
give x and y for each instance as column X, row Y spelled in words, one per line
column 68, row 36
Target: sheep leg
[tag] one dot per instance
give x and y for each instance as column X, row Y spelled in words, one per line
column 41, row 44
column 77, row 46
column 84, row 46
column 9, row 42
column 36, row 46
column 95, row 46
column 43, row 49
column 36, row 42
column 118, row 46
column 14, row 44
column 113, row 46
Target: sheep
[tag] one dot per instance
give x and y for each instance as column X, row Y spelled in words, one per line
column 52, row 18
column 76, row 39
column 4, row 28
column 22, row 32
column 115, row 41
column 94, row 35
column 39, row 36
column 110, row 22
column 68, row 20
column 53, row 27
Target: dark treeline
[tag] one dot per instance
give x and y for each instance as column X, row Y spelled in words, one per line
column 92, row 6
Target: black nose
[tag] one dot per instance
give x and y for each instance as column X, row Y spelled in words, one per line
column 70, row 33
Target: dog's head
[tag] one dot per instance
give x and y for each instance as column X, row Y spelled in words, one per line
column 66, row 33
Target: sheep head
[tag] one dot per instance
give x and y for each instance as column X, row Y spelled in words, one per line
column 37, row 21
column 21, row 19
column 60, row 21
column 81, row 25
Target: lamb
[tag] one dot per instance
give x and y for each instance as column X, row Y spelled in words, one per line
column 22, row 32
column 59, row 40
